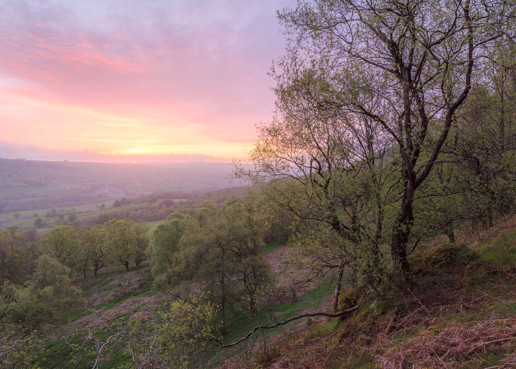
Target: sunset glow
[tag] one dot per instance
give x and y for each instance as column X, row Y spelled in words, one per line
column 114, row 81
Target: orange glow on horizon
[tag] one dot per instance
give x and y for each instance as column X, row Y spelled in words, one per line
column 108, row 135
column 89, row 81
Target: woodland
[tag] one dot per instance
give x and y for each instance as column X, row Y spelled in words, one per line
column 378, row 229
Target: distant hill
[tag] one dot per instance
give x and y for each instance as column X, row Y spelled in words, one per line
column 28, row 184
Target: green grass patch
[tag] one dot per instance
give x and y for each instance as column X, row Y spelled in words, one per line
column 501, row 252
column 436, row 260
column 326, row 329
column 487, row 360
column 362, row 361
column 466, row 317
column 59, row 354
column 241, row 324
column 273, row 246
column 119, row 299
column 511, row 307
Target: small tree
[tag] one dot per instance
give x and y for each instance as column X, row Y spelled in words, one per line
column 49, row 296
column 17, row 256
column 38, row 223
column 164, row 247
column 94, row 249
column 125, row 241
column 141, row 240
column 62, row 242
column 177, row 337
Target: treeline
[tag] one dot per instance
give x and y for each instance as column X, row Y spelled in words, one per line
column 158, row 206
column 139, row 213
column 90, row 195
column 149, row 208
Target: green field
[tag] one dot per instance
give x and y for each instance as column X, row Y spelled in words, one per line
column 25, row 219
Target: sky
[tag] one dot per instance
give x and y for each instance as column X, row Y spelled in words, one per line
column 134, row 80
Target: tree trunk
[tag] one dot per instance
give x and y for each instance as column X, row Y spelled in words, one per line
column 450, row 233
column 338, row 288
column 502, row 119
column 223, row 306
column 400, row 236
column 399, row 256
column 126, row 264
column 252, row 303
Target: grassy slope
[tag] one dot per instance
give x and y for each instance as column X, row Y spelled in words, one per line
column 460, row 313
column 117, row 293
column 112, row 294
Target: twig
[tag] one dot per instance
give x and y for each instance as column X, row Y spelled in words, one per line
column 408, row 316
column 441, row 360
column 420, row 303
column 489, row 342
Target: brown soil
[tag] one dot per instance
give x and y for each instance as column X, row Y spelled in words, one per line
column 293, row 281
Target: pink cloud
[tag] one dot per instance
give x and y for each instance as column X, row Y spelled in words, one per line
column 201, row 63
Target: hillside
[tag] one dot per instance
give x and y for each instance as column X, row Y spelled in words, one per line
column 460, row 313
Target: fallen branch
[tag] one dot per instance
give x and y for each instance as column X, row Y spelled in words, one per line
column 277, row 324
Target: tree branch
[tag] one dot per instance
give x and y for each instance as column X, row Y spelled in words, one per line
column 277, row 324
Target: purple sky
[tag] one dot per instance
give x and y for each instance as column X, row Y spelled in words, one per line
column 107, row 79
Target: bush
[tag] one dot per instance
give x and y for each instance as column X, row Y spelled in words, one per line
column 445, row 256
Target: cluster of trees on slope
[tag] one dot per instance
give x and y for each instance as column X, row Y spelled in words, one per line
column 210, row 257
column 395, row 122
column 35, row 288
column 219, row 249
column 118, row 241
column 211, row 262
column 35, row 275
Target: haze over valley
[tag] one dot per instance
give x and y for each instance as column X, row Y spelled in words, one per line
column 28, row 184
